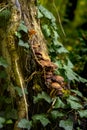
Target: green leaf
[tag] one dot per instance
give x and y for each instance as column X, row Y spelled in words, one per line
column 9, row 121
column 47, row 13
column 55, row 114
column 66, row 124
column 3, row 62
column 82, row 79
column 2, row 121
column 73, row 98
column 46, row 30
column 3, row 74
column 12, row 114
column 23, row 44
column 42, row 96
column 42, row 118
column 18, row 34
column 62, row 50
column 25, row 124
column 77, row 92
column 59, row 103
column 83, row 113
column 71, row 75
column 22, row 27
column 74, row 105
column 19, row 91
column 69, row 63
column 39, row 15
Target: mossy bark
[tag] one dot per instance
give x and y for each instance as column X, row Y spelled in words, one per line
column 37, row 66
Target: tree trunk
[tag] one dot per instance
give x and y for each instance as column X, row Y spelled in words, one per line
column 31, row 68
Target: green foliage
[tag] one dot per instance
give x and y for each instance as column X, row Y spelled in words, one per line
column 21, row 43
column 22, row 27
column 42, row 96
column 74, row 103
column 83, row 113
column 59, row 103
column 24, row 123
column 56, row 114
column 42, row 118
column 46, row 111
column 19, row 91
column 4, row 17
column 66, row 124
column 3, row 62
column 57, row 51
column 2, row 121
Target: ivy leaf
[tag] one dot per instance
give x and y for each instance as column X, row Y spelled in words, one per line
column 62, row 50
column 25, row 124
column 82, row 79
column 12, row 114
column 69, row 63
column 55, row 114
column 22, row 27
column 66, row 124
column 77, row 92
column 23, row 44
column 74, row 105
column 42, row 118
column 18, row 34
column 46, row 30
column 71, row 75
column 42, row 96
column 39, row 15
column 83, row 113
column 73, row 98
column 3, row 62
column 59, row 103
column 47, row 13
column 2, row 121
column 19, row 91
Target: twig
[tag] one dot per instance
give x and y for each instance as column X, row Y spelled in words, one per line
column 3, row 8
column 59, row 19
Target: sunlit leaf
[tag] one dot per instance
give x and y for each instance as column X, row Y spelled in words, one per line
column 40, row 15
column 46, row 13
column 9, row 121
column 46, row 30
column 23, row 44
column 69, row 63
column 83, row 113
column 62, row 50
column 24, row 123
column 42, row 118
column 66, row 124
column 18, row 34
column 42, row 96
column 2, row 121
column 59, row 103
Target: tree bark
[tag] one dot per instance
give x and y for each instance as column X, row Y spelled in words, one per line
column 27, row 70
